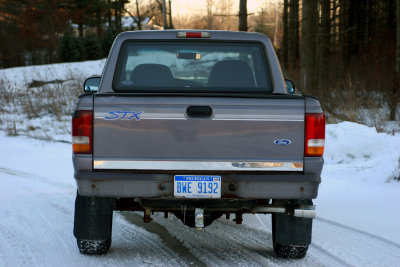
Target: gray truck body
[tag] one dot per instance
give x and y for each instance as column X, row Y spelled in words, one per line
column 138, row 157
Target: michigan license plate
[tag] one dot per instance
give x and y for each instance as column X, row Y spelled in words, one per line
column 197, row 186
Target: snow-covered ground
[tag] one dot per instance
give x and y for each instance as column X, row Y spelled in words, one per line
column 357, row 224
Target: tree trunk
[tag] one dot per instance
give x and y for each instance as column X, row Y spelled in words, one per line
column 391, row 10
column 343, row 11
column 293, row 50
column 284, row 49
column 118, row 13
column 297, row 30
column 139, row 19
column 210, row 17
column 51, row 33
column 367, row 23
column 164, row 11
column 109, row 14
column 395, row 95
column 324, row 44
column 308, row 46
column 243, row 15
column 98, row 24
column 171, row 26
column 80, row 29
column 276, row 23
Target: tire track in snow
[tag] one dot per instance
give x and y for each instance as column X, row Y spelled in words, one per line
column 186, row 242
column 203, row 244
column 379, row 238
column 145, row 243
column 34, row 217
column 34, row 177
column 22, row 251
column 248, row 246
column 311, row 256
column 340, row 261
column 226, row 244
column 314, row 256
column 353, row 246
column 257, row 243
column 169, row 240
column 344, row 255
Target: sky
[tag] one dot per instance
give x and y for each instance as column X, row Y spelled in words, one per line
column 181, row 7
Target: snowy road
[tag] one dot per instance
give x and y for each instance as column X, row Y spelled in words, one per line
column 357, row 222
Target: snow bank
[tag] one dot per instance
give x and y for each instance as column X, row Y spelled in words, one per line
column 347, row 141
column 21, row 77
column 37, row 101
column 362, row 152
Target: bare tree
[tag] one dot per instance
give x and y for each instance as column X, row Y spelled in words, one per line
column 243, row 15
column 142, row 13
column 160, row 7
column 293, row 42
column 324, row 44
column 210, row 15
column 170, row 26
column 225, row 7
column 285, row 43
column 220, row 15
column 396, row 88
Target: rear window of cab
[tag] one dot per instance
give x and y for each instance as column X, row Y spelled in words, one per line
column 176, row 66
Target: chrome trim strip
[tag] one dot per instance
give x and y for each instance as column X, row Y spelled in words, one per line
column 216, row 117
column 149, row 116
column 258, row 117
column 197, row 165
column 163, row 116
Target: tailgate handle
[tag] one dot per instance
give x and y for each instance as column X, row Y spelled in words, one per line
column 199, row 111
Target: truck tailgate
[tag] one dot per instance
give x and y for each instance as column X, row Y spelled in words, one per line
column 160, row 133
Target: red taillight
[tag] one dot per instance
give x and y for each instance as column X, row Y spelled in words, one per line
column 314, row 135
column 82, row 122
column 193, row 35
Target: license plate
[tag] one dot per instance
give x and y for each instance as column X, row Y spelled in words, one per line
column 197, row 186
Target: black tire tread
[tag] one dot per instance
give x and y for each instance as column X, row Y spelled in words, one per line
column 93, row 247
column 290, row 252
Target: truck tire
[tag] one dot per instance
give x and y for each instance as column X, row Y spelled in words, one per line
column 93, row 247
column 290, row 252
column 291, row 235
column 93, row 224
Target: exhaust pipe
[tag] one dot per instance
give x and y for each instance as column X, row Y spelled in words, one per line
column 305, row 212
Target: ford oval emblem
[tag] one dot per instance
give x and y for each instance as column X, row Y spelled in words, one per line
column 282, row 142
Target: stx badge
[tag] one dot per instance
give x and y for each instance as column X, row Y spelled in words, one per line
column 123, row 115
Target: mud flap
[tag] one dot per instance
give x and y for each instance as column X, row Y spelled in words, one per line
column 288, row 230
column 93, row 218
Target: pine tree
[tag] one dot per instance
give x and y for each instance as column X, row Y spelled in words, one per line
column 69, row 47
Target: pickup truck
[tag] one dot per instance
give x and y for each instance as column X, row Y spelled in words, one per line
column 198, row 124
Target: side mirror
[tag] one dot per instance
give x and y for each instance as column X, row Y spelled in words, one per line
column 290, row 87
column 91, row 84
